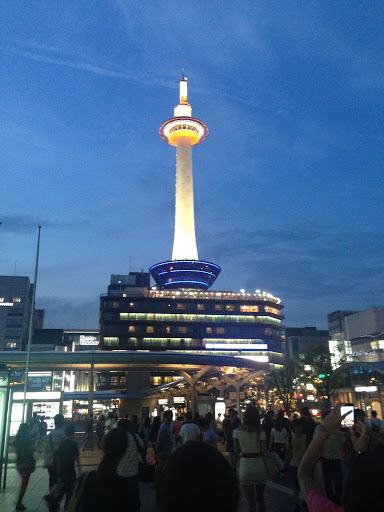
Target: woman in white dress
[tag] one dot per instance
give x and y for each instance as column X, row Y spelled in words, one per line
column 250, row 444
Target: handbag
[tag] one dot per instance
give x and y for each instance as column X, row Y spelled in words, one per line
column 273, row 463
column 146, row 470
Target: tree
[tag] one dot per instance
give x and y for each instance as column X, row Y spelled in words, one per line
column 317, row 370
column 282, row 381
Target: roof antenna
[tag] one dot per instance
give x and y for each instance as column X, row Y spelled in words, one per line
column 182, row 70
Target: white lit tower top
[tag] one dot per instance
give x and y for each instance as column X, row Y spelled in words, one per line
column 185, row 270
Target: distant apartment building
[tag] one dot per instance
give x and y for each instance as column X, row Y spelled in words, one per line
column 300, row 339
column 357, row 335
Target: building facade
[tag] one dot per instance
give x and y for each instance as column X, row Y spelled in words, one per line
column 299, row 339
column 15, row 309
column 141, row 318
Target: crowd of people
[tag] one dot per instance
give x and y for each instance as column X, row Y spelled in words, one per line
column 189, row 466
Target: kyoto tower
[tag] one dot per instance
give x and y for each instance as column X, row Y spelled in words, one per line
column 185, row 270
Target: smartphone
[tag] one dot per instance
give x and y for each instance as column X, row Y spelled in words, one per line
column 349, row 420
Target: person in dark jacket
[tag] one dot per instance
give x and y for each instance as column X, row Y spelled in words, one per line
column 25, row 461
column 67, row 455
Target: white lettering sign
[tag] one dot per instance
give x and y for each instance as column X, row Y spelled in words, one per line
column 88, row 340
column 2, row 303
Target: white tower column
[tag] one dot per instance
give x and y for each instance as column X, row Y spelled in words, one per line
column 184, row 244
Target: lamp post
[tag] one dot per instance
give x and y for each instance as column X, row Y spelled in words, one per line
column 31, row 326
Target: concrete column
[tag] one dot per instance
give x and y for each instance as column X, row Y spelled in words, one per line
column 238, row 400
column 193, row 399
column 184, row 244
column 91, row 388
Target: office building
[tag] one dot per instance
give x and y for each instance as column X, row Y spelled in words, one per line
column 142, row 318
column 15, row 309
column 300, row 339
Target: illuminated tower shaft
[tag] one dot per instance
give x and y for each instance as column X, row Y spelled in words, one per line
column 184, row 243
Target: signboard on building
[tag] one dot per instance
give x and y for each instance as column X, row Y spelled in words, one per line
column 88, row 340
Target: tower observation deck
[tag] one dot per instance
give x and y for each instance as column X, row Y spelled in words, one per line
column 185, row 270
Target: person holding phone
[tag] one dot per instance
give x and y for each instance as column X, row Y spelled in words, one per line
column 364, row 488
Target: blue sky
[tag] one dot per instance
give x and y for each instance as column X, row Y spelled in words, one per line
column 288, row 184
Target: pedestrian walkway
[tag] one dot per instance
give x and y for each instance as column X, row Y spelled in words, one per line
column 278, row 497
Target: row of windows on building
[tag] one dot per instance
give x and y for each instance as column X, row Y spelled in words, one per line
column 196, row 331
column 183, row 306
column 177, row 317
column 182, row 329
column 10, row 299
column 132, row 342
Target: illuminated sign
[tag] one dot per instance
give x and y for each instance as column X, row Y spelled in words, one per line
column 368, row 389
column 38, row 395
column 163, row 401
column 2, row 303
column 236, row 346
column 178, row 399
column 88, row 340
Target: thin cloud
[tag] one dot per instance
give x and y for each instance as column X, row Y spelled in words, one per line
column 53, row 55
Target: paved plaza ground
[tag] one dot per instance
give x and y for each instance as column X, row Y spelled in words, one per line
column 278, row 496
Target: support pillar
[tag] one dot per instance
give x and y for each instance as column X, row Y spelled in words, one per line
column 192, row 380
column 91, row 388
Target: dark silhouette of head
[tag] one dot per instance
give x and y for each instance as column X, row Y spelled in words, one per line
column 252, row 417
column 59, row 420
column 201, row 472
column 113, row 445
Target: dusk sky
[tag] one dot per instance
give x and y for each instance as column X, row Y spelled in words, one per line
column 288, row 185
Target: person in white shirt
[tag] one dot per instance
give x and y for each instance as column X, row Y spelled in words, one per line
column 189, row 431
column 128, row 466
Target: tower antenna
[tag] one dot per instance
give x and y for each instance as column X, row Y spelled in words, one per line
column 182, row 70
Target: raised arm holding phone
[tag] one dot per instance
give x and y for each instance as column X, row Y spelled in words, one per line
column 364, row 488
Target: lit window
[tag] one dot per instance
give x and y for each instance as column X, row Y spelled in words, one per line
column 268, row 331
column 249, row 309
column 268, row 309
column 220, row 330
column 124, row 294
column 180, row 305
column 131, row 304
column 230, row 307
column 111, row 342
column 182, row 329
column 115, row 305
column 200, row 307
column 208, row 330
column 156, row 381
column 131, row 328
column 11, row 344
column 16, row 299
column 218, row 307
column 150, row 328
column 167, row 329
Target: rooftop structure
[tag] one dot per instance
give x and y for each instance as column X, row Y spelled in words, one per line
column 185, row 270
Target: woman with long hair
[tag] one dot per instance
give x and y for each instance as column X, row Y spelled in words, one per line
column 249, row 443
column 25, row 461
column 279, row 436
column 104, row 489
